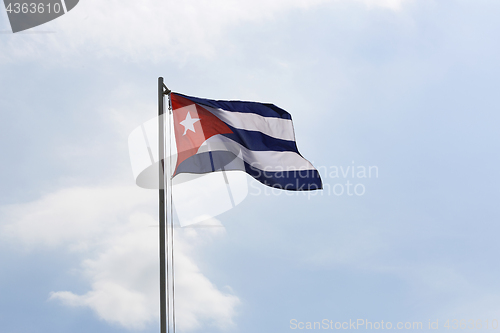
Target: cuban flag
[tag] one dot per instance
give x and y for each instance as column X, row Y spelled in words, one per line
column 258, row 138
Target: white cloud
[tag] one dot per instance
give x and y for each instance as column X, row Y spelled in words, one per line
column 115, row 229
column 145, row 29
column 72, row 215
column 151, row 30
column 395, row 5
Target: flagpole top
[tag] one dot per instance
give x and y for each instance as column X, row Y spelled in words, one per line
column 166, row 91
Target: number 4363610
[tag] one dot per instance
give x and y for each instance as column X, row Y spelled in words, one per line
column 33, row 8
column 470, row 324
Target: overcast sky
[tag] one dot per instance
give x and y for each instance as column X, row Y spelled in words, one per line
column 409, row 88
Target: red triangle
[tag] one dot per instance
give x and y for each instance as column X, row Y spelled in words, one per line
column 188, row 141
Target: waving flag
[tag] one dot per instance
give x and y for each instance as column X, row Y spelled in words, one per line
column 257, row 138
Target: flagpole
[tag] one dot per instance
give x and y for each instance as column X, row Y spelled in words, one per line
column 162, row 221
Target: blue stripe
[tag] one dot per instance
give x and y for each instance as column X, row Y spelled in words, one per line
column 263, row 109
column 259, row 141
column 300, row 180
column 209, row 162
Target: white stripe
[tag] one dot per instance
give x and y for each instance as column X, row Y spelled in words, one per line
column 275, row 127
column 262, row 160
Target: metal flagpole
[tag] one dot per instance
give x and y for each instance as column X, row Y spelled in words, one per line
column 161, row 184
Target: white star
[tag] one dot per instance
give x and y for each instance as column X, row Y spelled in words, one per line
column 188, row 123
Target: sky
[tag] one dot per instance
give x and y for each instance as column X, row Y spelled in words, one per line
column 404, row 88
